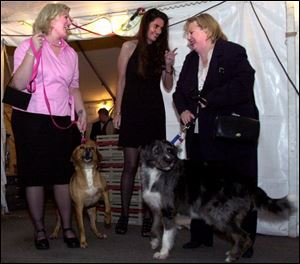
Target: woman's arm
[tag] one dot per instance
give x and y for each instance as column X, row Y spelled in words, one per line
column 126, row 52
column 168, row 72
column 79, row 108
column 23, row 74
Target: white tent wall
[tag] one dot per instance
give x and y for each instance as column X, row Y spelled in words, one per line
column 278, row 103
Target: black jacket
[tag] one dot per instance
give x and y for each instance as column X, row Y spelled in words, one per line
column 228, row 88
column 96, row 129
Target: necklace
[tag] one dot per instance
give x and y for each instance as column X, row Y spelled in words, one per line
column 58, row 44
column 55, row 43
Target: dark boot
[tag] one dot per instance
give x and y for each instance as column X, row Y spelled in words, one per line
column 201, row 234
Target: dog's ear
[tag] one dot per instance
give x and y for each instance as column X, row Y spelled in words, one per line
column 73, row 156
column 95, row 146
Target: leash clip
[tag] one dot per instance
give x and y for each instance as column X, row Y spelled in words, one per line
column 187, row 126
column 83, row 139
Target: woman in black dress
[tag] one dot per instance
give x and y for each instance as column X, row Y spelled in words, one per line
column 140, row 113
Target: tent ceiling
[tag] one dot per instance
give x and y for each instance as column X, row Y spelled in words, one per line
column 102, row 52
column 12, row 11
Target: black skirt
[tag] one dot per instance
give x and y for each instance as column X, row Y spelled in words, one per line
column 43, row 150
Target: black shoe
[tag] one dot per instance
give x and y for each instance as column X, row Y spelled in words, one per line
column 72, row 242
column 196, row 244
column 122, row 225
column 146, row 227
column 191, row 244
column 41, row 243
column 248, row 253
column 208, row 243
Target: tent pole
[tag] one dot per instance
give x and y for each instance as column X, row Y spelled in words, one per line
column 4, row 206
column 293, row 119
column 93, row 68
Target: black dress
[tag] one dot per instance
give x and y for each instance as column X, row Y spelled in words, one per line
column 143, row 112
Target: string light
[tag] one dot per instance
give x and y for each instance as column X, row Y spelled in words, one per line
column 103, row 26
column 106, row 103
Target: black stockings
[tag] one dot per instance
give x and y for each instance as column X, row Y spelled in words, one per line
column 131, row 159
column 64, row 204
column 35, row 199
column 35, row 196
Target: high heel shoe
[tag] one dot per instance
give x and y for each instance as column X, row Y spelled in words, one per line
column 41, row 243
column 72, row 242
column 122, row 225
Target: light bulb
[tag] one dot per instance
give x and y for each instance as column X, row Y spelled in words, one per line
column 103, row 26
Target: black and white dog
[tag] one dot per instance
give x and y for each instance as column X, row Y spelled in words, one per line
column 221, row 201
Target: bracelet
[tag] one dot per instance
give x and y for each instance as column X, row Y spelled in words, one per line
column 80, row 112
column 29, row 53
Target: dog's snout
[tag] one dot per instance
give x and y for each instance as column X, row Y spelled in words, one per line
column 168, row 158
column 88, row 153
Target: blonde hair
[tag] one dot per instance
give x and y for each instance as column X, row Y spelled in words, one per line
column 208, row 24
column 46, row 15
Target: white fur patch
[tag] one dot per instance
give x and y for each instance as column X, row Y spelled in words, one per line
column 194, row 214
column 91, row 190
column 167, row 244
column 168, row 239
column 152, row 198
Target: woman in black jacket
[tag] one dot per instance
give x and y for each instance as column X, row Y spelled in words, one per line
column 216, row 79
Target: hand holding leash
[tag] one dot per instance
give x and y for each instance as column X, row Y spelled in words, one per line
column 37, row 40
column 180, row 136
column 187, row 117
column 81, row 122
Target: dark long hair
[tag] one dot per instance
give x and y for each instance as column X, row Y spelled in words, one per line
column 160, row 45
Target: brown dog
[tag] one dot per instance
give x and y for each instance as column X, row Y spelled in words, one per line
column 87, row 186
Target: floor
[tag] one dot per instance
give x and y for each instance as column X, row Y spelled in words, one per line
column 17, row 246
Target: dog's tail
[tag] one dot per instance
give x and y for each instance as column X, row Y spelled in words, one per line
column 281, row 207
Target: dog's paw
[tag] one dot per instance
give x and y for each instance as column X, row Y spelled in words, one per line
column 107, row 219
column 154, row 243
column 160, row 255
column 83, row 244
column 231, row 257
column 101, row 236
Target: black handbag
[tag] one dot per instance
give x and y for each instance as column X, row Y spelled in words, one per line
column 16, row 97
column 238, row 128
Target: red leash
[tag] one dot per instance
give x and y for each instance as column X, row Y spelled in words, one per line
column 83, row 138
